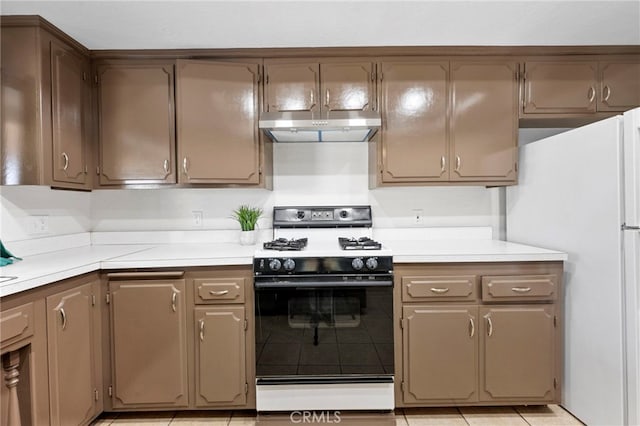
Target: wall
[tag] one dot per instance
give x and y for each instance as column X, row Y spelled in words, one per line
column 304, row 174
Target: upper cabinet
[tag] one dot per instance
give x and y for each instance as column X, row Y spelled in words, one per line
column 447, row 121
column 217, row 116
column 619, row 84
column 46, row 106
column 136, row 123
column 311, row 85
column 584, row 85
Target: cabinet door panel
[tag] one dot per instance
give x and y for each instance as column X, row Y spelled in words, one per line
column 414, row 129
column 218, row 135
column 220, row 356
column 347, row 86
column 69, row 113
column 620, row 86
column 292, row 86
column 440, row 354
column 559, row 87
column 149, row 343
column 517, row 352
column 484, row 121
column 72, row 381
column 137, row 137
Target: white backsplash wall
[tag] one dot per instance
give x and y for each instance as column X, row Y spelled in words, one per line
column 304, row 174
column 35, row 212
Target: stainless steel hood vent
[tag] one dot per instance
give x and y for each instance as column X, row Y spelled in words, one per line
column 332, row 126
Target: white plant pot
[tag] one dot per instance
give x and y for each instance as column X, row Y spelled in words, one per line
column 248, row 238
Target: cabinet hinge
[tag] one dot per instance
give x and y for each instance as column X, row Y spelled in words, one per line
column 93, row 300
column 95, row 394
column 110, row 390
column 555, row 383
column 108, row 298
column 246, row 324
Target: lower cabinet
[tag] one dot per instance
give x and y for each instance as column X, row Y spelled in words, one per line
column 220, row 356
column 498, row 342
column 73, row 346
column 148, row 340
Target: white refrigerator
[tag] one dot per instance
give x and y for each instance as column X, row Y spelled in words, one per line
column 579, row 192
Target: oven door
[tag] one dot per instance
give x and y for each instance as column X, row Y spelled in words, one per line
column 319, row 343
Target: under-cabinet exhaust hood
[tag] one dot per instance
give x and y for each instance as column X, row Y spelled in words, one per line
column 332, row 126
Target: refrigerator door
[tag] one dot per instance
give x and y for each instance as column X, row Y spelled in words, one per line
column 631, row 151
column 569, row 198
column 631, row 239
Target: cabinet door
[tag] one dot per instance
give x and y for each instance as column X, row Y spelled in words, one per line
column 620, row 85
column 136, row 119
column 414, row 116
column 292, row 86
column 220, row 356
column 71, row 331
column 149, row 345
column 517, row 353
column 348, row 86
column 440, row 349
column 484, row 122
column 69, row 94
column 559, row 87
column 218, row 135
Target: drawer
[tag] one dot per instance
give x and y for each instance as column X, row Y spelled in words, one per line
column 16, row 324
column 449, row 287
column 519, row 288
column 219, row 290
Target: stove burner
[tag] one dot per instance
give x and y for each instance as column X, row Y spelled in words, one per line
column 282, row 244
column 362, row 243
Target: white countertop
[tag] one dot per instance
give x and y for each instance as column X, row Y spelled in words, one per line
column 42, row 269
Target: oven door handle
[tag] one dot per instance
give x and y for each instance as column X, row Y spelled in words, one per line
column 324, row 284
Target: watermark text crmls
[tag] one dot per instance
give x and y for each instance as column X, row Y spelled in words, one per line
column 308, row 417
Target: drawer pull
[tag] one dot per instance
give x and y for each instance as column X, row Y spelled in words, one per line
column 521, row 289
column 473, row 327
column 65, row 157
column 174, row 298
column 439, row 290
column 490, row 328
column 218, row 293
column 201, row 323
column 63, row 316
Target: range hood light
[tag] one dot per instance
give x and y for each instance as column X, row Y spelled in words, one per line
column 335, row 126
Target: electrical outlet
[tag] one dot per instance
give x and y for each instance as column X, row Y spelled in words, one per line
column 418, row 215
column 197, row 218
column 37, row 225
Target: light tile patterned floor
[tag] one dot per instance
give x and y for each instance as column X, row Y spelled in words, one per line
column 551, row 415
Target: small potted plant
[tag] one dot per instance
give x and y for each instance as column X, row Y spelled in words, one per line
column 247, row 217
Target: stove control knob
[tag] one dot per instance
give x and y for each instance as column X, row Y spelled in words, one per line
column 289, row 265
column 372, row 263
column 357, row 263
column 300, row 214
column 275, row 264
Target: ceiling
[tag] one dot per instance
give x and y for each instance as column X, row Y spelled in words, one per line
column 313, row 23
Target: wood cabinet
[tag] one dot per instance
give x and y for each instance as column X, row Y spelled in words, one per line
column 217, row 113
column 136, row 123
column 446, row 122
column 46, row 106
column 478, row 334
column 223, row 311
column 313, row 85
column 484, row 122
column 559, row 86
column 74, row 346
column 148, row 340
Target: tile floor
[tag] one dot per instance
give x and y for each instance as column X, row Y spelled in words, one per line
column 551, row 415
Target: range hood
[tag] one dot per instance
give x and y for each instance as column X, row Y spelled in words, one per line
column 332, row 126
